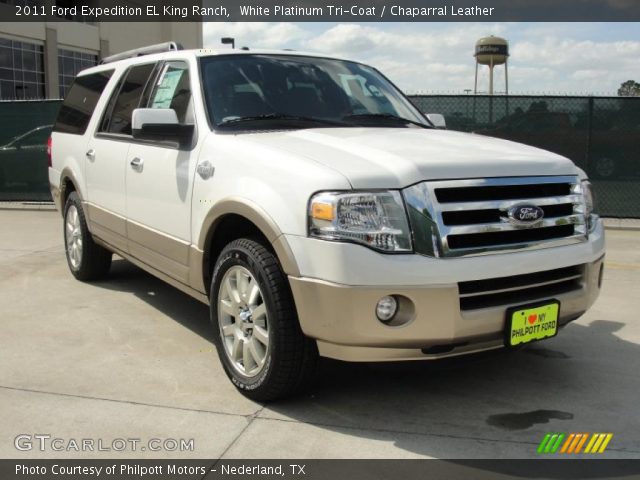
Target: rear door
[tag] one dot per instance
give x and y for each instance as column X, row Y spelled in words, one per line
column 107, row 156
column 159, row 182
column 72, row 129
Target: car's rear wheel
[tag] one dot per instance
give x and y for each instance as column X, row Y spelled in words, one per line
column 257, row 334
column 86, row 259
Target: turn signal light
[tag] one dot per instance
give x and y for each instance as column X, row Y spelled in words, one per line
column 322, row 211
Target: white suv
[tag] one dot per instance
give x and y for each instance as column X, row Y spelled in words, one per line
column 317, row 212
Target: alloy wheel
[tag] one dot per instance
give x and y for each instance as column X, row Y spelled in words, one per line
column 243, row 321
column 73, row 237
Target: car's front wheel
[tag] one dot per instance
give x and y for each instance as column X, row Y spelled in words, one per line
column 257, row 334
column 86, row 259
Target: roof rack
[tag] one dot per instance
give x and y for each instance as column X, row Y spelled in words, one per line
column 138, row 52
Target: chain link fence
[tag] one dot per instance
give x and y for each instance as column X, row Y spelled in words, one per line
column 600, row 134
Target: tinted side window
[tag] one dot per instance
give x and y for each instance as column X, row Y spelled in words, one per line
column 80, row 103
column 128, row 99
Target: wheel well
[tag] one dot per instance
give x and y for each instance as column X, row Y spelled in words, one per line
column 66, row 188
column 227, row 229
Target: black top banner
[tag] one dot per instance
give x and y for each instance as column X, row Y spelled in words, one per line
column 323, row 11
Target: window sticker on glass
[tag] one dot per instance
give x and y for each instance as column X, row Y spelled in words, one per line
column 166, row 88
column 355, row 85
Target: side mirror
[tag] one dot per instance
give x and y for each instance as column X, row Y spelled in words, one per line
column 437, row 120
column 160, row 124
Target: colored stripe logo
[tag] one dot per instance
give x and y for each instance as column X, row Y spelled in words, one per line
column 571, row 443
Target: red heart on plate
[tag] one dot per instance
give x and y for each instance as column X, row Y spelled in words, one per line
column 532, row 318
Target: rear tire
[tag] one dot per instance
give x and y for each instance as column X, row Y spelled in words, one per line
column 260, row 343
column 86, row 259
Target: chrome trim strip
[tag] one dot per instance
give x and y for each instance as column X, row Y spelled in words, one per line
column 515, row 247
column 493, row 181
column 523, row 287
column 507, row 204
column 509, row 227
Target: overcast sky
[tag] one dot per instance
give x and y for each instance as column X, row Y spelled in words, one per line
column 571, row 58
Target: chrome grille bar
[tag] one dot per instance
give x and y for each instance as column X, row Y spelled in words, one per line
column 505, row 227
column 521, row 287
column 507, row 204
column 528, row 287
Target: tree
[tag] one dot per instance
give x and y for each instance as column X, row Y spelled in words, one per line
column 630, row 88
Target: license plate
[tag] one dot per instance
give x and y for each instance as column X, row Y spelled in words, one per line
column 530, row 323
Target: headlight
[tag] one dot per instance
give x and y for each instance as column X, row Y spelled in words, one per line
column 375, row 219
column 589, row 202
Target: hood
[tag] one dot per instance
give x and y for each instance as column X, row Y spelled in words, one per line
column 398, row 157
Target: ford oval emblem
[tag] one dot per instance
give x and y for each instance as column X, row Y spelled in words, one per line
column 525, row 214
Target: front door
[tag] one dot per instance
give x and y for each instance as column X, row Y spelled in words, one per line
column 159, row 182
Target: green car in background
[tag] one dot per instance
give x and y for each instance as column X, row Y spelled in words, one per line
column 23, row 161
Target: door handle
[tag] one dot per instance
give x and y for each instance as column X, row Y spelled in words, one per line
column 137, row 164
column 91, row 154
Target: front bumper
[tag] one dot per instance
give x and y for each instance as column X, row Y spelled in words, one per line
column 341, row 317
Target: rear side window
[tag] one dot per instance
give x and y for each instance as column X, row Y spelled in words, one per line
column 126, row 100
column 80, row 103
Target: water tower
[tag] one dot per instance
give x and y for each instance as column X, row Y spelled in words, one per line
column 492, row 51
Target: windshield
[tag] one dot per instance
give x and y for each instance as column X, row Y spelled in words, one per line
column 264, row 90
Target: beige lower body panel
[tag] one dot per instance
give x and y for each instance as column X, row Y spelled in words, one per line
column 349, row 353
column 106, row 225
column 343, row 321
column 167, row 254
column 157, row 273
column 168, row 258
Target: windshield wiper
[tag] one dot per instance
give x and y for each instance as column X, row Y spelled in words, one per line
column 384, row 116
column 282, row 116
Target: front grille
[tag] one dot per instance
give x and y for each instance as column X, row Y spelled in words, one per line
column 515, row 289
column 470, row 217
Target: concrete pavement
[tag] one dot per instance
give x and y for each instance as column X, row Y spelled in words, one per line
column 132, row 358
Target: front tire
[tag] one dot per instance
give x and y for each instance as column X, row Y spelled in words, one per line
column 86, row 259
column 257, row 333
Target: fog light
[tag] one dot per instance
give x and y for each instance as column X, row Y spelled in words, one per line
column 386, row 308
